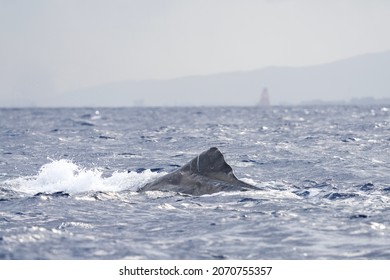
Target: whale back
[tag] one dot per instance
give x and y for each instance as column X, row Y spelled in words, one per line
column 205, row 174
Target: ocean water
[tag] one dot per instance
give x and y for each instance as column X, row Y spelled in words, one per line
column 68, row 182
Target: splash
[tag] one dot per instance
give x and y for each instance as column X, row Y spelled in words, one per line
column 64, row 175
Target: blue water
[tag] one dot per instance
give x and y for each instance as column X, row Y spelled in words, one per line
column 68, row 181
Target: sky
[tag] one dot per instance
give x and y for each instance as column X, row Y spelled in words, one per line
column 48, row 47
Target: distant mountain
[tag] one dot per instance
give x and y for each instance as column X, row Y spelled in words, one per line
column 365, row 76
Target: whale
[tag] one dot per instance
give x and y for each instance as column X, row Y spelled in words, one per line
column 207, row 173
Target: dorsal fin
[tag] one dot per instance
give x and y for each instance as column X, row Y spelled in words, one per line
column 210, row 161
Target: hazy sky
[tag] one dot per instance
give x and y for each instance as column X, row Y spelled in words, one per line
column 52, row 46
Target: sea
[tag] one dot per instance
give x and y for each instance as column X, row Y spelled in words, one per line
column 69, row 179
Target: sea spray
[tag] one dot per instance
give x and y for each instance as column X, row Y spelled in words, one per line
column 66, row 176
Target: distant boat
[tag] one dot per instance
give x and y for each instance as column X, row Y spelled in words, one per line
column 264, row 99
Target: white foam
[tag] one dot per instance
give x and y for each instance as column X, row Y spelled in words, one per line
column 64, row 175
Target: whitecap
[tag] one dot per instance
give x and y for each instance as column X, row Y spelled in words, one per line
column 66, row 176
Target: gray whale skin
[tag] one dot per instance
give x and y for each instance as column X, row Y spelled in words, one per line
column 205, row 174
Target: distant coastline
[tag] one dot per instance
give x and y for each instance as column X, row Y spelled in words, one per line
column 353, row 101
column 357, row 80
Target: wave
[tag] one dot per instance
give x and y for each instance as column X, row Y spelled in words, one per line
column 65, row 176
